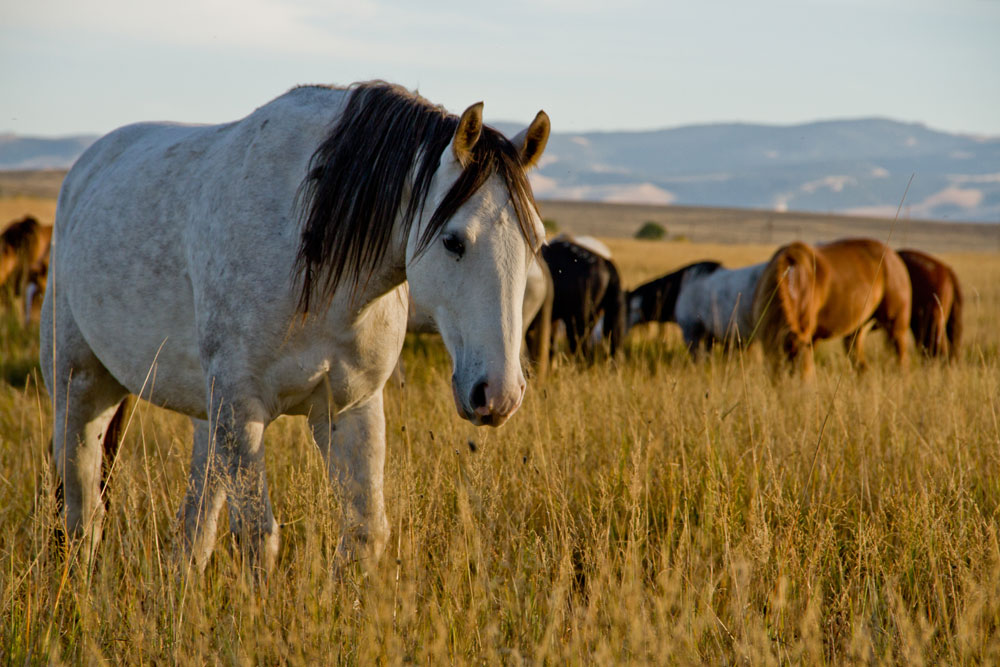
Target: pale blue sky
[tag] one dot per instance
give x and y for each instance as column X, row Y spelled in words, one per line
column 82, row 66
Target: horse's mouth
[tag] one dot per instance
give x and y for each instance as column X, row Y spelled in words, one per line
column 480, row 417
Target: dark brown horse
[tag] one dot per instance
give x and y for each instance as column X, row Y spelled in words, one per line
column 936, row 317
column 810, row 293
column 24, row 253
column 588, row 297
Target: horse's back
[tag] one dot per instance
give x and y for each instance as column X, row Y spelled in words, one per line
column 188, row 164
column 162, row 228
column 929, row 276
column 866, row 279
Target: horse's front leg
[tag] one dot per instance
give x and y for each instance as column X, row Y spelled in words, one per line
column 206, row 492
column 353, row 447
column 693, row 333
column 237, row 428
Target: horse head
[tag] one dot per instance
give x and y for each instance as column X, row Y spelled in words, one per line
column 470, row 274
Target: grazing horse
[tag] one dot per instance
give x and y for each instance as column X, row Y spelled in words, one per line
column 936, row 317
column 587, row 295
column 256, row 268
column 710, row 303
column 24, row 251
column 806, row 294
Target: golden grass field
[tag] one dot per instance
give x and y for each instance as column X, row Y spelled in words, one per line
column 647, row 510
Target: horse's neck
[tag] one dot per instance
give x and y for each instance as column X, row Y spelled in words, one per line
column 384, row 279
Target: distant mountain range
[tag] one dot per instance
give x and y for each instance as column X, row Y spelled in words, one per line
column 18, row 152
column 850, row 166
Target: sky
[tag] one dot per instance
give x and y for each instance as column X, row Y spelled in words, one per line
column 88, row 66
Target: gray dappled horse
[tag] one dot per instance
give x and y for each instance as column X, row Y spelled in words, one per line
column 256, row 269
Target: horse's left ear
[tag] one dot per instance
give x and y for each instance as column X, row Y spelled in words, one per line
column 470, row 126
column 530, row 142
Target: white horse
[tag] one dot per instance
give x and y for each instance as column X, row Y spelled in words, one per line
column 242, row 271
column 709, row 302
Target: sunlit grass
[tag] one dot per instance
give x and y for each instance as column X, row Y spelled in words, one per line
column 15, row 208
column 647, row 510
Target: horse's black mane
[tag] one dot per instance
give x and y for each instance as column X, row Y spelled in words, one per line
column 701, row 268
column 691, row 270
column 387, row 138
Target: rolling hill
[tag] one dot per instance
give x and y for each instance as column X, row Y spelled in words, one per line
column 847, row 166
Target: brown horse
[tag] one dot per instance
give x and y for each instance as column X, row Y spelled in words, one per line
column 936, row 318
column 24, row 252
column 808, row 294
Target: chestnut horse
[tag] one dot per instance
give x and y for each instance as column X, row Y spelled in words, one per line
column 936, row 317
column 24, row 245
column 810, row 293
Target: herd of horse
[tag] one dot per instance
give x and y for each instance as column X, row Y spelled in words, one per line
column 573, row 289
column 803, row 294
column 273, row 265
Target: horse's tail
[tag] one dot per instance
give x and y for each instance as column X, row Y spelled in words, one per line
column 783, row 295
column 953, row 327
column 614, row 308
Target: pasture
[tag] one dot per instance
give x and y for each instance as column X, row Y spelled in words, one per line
column 646, row 510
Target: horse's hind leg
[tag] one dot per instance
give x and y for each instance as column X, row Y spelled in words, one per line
column 854, row 346
column 939, row 330
column 204, row 497
column 897, row 328
column 85, row 399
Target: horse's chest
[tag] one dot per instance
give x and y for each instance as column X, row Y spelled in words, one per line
column 347, row 366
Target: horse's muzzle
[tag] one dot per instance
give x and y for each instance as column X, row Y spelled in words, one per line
column 489, row 404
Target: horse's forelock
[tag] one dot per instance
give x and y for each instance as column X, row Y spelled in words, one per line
column 357, row 179
column 493, row 155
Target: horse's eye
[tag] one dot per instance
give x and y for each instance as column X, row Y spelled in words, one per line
column 453, row 244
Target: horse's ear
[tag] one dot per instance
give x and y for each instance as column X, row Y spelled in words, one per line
column 470, row 126
column 530, row 142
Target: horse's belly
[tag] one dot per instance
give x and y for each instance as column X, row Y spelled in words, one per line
column 139, row 322
column 841, row 316
column 151, row 357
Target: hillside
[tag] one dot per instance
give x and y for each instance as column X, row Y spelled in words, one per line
column 703, row 224
column 855, row 166
column 859, row 167
column 24, row 192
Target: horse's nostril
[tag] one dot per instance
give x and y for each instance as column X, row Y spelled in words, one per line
column 479, row 396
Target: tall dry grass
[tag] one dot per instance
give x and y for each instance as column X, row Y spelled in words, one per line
column 644, row 511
